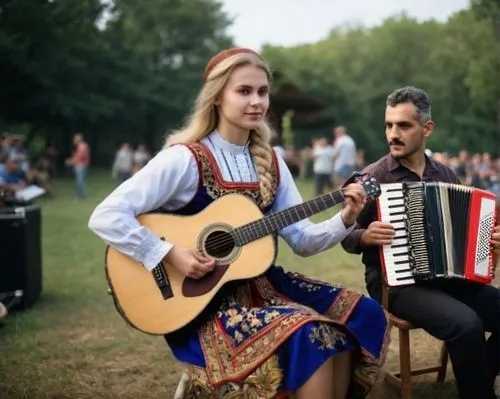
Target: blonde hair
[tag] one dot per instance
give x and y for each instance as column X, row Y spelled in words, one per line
column 204, row 118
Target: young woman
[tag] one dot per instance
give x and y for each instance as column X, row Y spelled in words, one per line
column 275, row 335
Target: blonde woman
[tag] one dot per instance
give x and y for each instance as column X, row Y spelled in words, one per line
column 275, row 335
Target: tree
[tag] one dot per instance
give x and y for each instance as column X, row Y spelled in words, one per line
column 121, row 71
column 355, row 68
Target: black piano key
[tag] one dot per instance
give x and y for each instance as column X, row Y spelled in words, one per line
column 400, row 237
column 400, row 254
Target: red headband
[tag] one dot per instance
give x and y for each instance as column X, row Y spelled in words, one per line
column 224, row 54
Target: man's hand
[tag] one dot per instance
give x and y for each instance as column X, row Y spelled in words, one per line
column 377, row 233
column 495, row 240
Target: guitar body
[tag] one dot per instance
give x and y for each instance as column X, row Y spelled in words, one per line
column 232, row 231
column 136, row 291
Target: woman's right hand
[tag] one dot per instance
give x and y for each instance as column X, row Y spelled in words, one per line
column 190, row 262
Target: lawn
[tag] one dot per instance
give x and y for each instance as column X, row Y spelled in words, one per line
column 73, row 344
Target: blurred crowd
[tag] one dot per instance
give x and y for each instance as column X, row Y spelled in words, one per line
column 479, row 170
column 328, row 160
column 18, row 170
column 128, row 161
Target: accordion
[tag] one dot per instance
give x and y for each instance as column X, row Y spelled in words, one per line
column 442, row 230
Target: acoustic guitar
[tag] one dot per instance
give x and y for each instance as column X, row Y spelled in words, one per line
column 232, row 230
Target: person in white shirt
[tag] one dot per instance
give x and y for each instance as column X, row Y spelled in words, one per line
column 344, row 155
column 141, row 157
column 123, row 163
column 275, row 334
column 323, row 165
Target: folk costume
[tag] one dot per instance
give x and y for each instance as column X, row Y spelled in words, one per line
column 266, row 336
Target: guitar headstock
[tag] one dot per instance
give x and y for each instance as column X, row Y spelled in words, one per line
column 372, row 188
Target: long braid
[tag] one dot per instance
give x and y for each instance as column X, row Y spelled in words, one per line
column 262, row 155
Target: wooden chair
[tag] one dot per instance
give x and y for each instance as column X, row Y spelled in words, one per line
column 180, row 392
column 402, row 379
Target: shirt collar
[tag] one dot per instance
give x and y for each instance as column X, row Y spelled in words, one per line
column 393, row 163
column 223, row 144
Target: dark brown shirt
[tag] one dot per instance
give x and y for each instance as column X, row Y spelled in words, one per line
column 388, row 170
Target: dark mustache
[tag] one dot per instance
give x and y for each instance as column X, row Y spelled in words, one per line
column 396, row 142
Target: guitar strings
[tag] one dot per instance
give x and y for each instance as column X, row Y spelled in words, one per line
column 213, row 243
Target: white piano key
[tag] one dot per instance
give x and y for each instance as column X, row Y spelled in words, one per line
column 391, row 210
column 399, row 242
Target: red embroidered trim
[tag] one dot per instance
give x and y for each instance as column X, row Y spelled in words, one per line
column 218, row 175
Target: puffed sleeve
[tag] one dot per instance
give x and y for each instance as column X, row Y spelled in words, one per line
column 169, row 180
column 305, row 237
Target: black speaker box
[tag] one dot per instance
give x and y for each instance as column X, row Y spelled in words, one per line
column 21, row 253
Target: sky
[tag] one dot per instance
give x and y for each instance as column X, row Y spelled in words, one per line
column 291, row 22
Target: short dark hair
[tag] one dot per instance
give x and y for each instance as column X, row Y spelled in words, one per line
column 409, row 94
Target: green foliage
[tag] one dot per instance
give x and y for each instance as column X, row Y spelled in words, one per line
column 128, row 70
column 122, row 70
column 457, row 63
column 287, row 128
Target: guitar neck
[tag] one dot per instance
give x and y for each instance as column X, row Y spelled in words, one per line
column 279, row 220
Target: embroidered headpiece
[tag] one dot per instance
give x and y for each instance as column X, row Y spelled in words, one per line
column 224, row 54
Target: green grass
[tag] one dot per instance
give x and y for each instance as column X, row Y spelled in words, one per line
column 73, row 344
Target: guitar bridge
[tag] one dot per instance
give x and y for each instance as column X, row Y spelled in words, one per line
column 161, row 279
column 162, row 282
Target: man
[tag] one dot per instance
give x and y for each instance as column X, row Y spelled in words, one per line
column 80, row 162
column 344, row 155
column 11, row 174
column 455, row 311
column 123, row 163
column 323, row 165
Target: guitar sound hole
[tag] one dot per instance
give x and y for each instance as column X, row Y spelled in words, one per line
column 219, row 244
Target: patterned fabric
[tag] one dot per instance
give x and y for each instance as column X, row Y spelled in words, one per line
column 265, row 338
column 213, row 186
column 263, row 382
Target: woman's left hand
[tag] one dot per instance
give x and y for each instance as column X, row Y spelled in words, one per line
column 355, row 200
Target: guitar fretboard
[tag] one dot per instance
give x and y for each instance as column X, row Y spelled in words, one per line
column 279, row 220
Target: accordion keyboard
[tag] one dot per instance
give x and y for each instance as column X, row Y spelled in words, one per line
column 395, row 258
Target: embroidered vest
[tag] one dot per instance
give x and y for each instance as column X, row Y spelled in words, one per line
column 212, row 186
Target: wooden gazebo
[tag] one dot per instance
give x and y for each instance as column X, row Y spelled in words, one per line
column 286, row 96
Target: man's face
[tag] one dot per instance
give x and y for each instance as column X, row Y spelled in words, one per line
column 404, row 132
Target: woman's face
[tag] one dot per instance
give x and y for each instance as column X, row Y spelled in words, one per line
column 245, row 98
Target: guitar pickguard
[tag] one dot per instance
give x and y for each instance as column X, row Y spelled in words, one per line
column 194, row 287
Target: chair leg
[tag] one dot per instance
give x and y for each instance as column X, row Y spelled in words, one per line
column 443, row 361
column 180, row 392
column 405, row 363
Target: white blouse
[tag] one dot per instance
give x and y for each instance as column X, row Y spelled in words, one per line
column 170, row 180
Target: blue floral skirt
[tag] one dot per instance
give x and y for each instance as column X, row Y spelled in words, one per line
column 271, row 334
